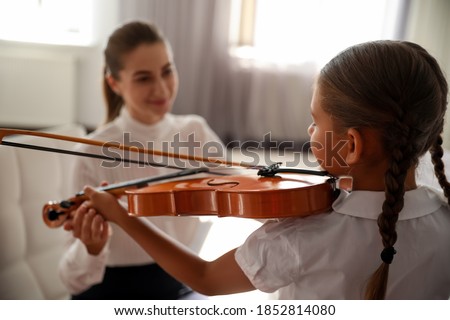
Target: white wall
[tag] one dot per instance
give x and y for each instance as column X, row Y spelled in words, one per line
column 89, row 106
column 90, row 110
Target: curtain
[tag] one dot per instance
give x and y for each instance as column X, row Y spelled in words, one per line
column 240, row 102
column 245, row 100
column 271, row 102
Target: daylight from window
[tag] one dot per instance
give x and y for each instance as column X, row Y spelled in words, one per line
column 65, row 22
column 295, row 31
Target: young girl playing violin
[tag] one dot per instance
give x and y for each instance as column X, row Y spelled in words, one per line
column 140, row 84
column 377, row 107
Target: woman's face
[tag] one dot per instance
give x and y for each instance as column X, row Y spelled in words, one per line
column 148, row 82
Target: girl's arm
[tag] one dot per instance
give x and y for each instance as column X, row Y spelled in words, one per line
column 221, row 276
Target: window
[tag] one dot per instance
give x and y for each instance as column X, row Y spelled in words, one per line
column 65, row 22
column 310, row 30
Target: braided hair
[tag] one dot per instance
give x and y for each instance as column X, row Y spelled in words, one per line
column 122, row 41
column 397, row 88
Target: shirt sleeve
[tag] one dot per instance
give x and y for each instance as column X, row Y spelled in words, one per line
column 268, row 258
column 79, row 270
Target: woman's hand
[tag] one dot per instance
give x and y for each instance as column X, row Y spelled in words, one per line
column 90, row 227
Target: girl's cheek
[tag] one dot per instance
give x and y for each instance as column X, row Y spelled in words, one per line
column 311, row 129
column 317, row 153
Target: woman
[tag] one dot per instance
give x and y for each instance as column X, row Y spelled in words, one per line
column 140, row 86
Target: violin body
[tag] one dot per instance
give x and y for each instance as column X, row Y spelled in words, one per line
column 249, row 196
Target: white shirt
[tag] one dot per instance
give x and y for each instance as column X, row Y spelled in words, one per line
column 332, row 255
column 79, row 270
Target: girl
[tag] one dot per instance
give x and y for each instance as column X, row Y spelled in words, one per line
column 377, row 107
column 140, row 85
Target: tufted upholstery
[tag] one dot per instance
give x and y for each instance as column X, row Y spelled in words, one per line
column 30, row 251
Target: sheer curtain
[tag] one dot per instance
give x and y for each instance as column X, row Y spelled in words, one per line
column 293, row 39
column 270, row 102
column 242, row 98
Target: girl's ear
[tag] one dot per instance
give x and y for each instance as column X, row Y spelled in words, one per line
column 113, row 84
column 354, row 146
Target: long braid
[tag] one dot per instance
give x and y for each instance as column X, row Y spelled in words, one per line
column 396, row 174
column 402, row 157
column 436, row 156
column 399, row 89
column 435, row 144
column 436, row 150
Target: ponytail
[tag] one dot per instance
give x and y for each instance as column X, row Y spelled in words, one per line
column 113, row 101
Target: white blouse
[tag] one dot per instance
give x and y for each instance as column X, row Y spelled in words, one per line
column 186, row 134
column 332, row 255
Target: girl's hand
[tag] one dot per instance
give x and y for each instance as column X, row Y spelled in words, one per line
column 106, row 204
column 90, row 227
column 221, row 276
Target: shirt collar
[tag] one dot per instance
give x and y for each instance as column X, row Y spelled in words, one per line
column 367, row 204
column 129, row 124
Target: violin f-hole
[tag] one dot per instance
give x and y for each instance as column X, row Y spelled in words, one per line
column 213, row 183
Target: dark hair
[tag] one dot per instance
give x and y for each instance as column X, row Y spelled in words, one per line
column 122, row 41
column 398, row 88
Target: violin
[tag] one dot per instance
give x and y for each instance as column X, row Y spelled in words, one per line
column 266, row 195
column 55, row 213
column 273, row 192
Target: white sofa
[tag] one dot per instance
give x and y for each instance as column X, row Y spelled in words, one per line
column 30, row 251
